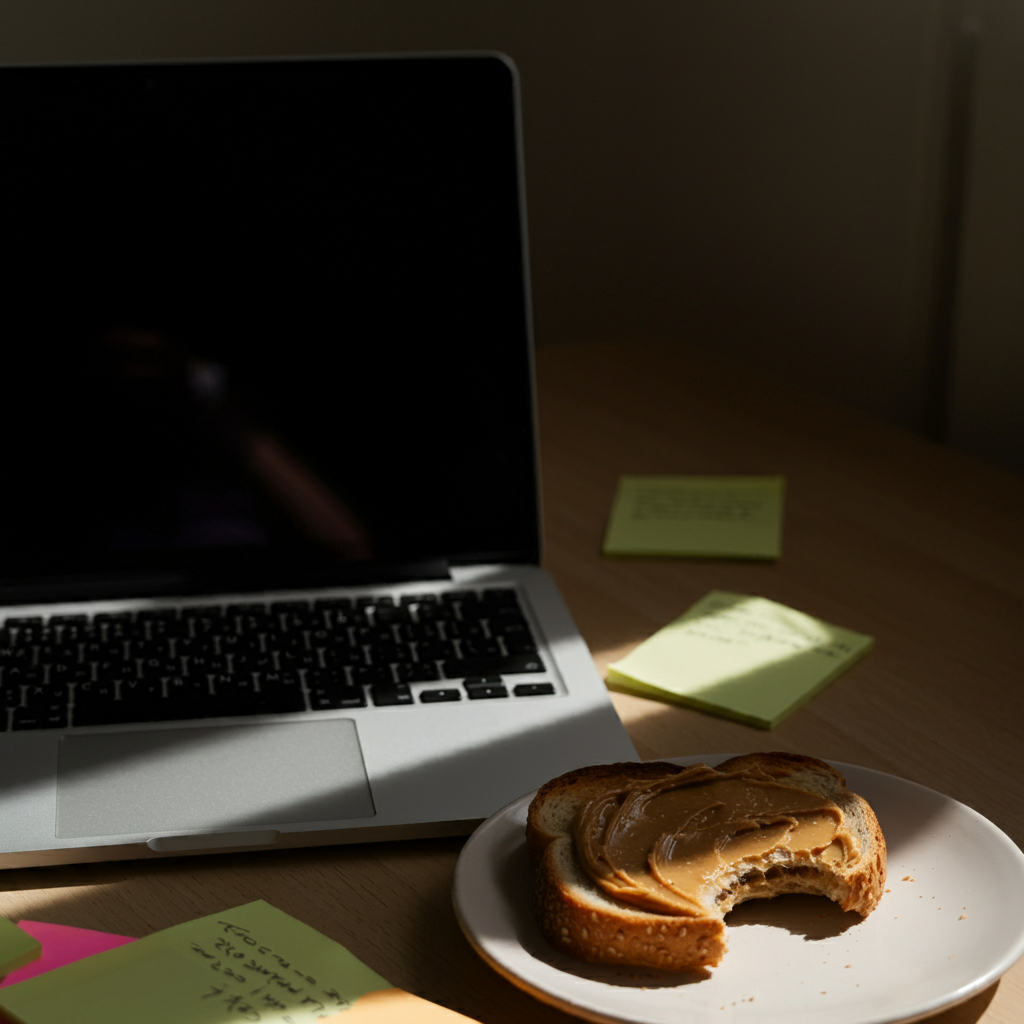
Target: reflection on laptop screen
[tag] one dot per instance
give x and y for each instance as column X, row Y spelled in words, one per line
column 265, row 317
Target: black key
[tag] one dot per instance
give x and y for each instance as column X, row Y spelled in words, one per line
column 480, row 648
column 533, row 689
column 193, row 684
column 519, row 645
column 417, row 672
column 253, row 661
column 141, row 701
column 472, row 681
column 206, row 664
column 61, row 675
column 331, row 689
column 468, row 631
column 351, row 697
column 385, row 615
column 45, row 716
column 29, row 621
column 338, row 655
column 435, row 612
column 508, row 625
column 282, row 691
column 69, row 628
column 501, row 665
column 95, row 704
column 23, row 675
column 395, row 693
column 293, row 660
column 439, row 696
column 486, row 692
column 388, row 654
column 372, row 674
column 44, row 693
column 332, row 603
column 434, row 650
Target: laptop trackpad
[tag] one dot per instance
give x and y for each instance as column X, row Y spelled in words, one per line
column 168, row 780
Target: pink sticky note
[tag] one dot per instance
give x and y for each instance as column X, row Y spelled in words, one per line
column 62, row 945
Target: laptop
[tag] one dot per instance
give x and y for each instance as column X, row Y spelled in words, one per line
column 269, row 536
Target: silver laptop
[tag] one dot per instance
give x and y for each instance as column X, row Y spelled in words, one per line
column 269, row 534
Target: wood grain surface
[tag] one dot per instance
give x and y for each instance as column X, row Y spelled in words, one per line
column 885, row 533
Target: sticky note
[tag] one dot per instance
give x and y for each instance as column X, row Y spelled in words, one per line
column 17, row 947
column 62, row 945
column 741, row 657
column 252, row 963
column 697, row 516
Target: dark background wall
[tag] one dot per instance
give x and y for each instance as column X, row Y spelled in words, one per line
column 770, row 178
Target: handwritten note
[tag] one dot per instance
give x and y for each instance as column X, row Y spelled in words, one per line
column 709, row 516
column 17, row 947
column 741, row 657
column 253, row 963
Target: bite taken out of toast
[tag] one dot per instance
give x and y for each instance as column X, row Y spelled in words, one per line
column 638, row 864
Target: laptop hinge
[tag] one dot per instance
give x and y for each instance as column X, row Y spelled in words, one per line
column 111, row 586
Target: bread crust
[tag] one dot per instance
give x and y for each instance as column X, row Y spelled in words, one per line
column 583, row 920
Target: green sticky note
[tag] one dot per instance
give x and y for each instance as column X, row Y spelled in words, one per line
column 741, row 657
column 708, row 516
column 17, row 948
column 253, row 963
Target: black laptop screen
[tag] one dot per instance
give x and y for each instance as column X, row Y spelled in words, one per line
column 265, row 318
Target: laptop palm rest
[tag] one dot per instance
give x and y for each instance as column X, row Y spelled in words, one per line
column 217, row 777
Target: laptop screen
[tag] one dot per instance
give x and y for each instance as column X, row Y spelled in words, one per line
column 262, row 320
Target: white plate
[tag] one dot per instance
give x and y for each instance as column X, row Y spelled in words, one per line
column 950, row 923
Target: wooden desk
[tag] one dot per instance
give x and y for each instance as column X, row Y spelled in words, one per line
column 885, row 533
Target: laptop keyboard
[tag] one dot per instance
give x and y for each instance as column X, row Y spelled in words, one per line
column 254, row 658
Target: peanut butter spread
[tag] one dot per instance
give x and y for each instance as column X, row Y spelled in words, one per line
column 666, row 846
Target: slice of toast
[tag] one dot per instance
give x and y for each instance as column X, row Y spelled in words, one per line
column 580, row 917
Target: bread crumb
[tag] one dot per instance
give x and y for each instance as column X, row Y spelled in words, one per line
column 962, row 917
column 907, row 878
column 849, row 965
column 897, row 917
column 888, row 890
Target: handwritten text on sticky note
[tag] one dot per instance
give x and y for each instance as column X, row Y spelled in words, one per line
column 711, row 516
column 253, row 963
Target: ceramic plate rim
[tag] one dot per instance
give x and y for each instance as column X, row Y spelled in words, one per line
column 469, row 859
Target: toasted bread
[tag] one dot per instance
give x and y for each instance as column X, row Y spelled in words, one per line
column 592, row 921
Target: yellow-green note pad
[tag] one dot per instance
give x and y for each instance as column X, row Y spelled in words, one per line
column 252, row 963
column 740, row 657
column 17, row 948
column 697, row 516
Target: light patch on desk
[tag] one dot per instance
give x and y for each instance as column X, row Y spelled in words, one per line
column 169, row 780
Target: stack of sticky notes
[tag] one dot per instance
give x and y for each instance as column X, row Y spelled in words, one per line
column 741, row 657
column 61, row 944
column 252, row 963
column 697, row 516
column 17, row 947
